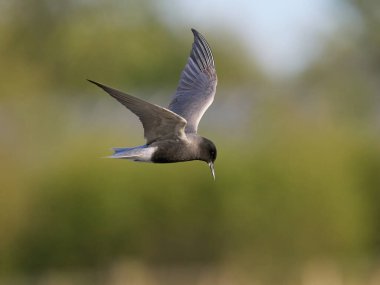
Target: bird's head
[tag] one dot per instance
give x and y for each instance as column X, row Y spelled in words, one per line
column 208, row 154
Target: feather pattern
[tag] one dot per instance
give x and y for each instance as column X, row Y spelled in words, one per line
column 197, row 85
column 159, row 123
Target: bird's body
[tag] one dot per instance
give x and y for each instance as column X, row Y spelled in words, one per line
column 171, row 133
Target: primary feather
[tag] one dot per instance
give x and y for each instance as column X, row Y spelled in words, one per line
column 159, row 123
column 197, row 85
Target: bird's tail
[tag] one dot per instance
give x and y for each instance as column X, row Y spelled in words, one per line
column 119, row 150
column 139, row 153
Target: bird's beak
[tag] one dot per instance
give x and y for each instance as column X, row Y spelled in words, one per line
column 211, row 165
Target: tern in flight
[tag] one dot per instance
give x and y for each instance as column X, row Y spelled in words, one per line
column 171, row 133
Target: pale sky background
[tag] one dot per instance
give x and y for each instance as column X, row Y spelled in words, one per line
column 282, row 36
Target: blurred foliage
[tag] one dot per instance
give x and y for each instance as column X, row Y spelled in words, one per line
column 298, row 183
column 57, row 44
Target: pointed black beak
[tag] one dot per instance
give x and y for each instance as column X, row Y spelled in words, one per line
column 211, row 165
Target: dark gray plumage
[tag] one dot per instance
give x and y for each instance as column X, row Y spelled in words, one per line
column 171, row 134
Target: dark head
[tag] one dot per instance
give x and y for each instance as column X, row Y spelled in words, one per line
column 208, row 154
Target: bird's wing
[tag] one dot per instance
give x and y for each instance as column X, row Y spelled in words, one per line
column 158, row 122
column 197, row 85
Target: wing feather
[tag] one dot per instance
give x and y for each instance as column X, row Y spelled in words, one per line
column 197, row 85
column 158, row 122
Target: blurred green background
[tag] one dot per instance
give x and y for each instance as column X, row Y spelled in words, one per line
column 297, row 191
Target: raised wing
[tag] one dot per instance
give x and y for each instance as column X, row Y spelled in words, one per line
column 159, row 123
column 197, row 84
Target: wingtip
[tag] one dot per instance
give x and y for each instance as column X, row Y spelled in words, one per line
column 93, row 82
column 96, row 83
column 195, row 32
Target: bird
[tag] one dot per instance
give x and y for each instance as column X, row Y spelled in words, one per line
column 171, row 133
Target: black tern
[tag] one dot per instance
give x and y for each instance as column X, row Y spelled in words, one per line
column 171, row 133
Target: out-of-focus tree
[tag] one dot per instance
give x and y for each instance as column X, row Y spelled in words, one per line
column 347, row 73
column 345, row 85
column 63, row 42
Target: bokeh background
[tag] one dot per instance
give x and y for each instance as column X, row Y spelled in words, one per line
column 296, row 121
